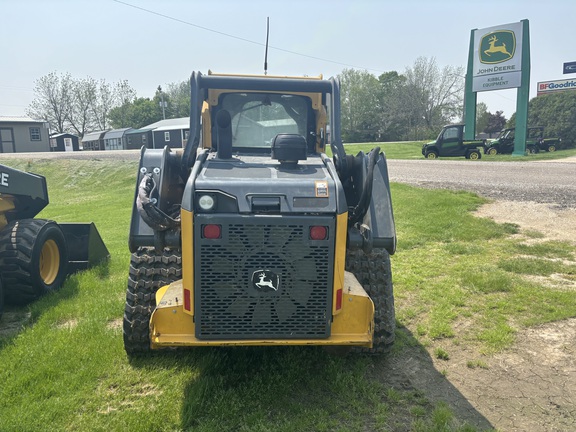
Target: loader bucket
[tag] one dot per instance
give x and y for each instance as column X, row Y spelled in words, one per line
column 85, row 246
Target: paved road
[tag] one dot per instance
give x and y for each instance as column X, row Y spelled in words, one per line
column 545, row 182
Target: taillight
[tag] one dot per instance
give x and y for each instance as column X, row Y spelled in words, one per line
column 187, row 296
column 211, row 231
column 318, row 233
column 339, row 299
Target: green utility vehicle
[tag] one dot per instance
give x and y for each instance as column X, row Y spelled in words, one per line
column 504, row 143
column 451, row 143
column 546, row 144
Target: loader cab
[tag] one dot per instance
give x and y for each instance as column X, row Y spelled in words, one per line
column 239, row 121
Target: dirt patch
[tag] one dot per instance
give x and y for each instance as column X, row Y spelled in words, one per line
column 529, row 387
column 67, row 325
column 114, row 324
column 554, row 223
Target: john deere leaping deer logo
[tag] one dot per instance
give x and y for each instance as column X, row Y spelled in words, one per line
column 497, row 47
column 265, row 280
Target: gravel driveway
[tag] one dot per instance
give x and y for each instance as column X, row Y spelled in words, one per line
column 551, row 182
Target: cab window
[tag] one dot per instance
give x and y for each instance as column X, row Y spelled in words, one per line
column 256, row 118
column 451, row 133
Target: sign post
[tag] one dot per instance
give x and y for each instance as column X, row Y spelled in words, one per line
column 499, row 58
column 470, row 96
column 523, row 97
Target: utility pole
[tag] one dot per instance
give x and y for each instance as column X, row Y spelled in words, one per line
column 162, row 104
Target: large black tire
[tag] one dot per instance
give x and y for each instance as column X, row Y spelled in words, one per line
column 149, row 271
column 374, row 273
column 33, row 259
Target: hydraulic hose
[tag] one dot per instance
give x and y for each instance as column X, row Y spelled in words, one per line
column 149, row 212
column 358, row 213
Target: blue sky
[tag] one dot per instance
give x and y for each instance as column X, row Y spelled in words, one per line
column 111, row 40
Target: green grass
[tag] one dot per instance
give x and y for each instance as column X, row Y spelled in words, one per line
column 66, row 369
column 400, row 150
column 413, row 150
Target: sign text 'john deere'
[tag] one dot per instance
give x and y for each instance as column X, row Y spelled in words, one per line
column 497, row 57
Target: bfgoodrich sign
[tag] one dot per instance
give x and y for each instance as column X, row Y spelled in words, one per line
column 497, row 57
column 545, row 87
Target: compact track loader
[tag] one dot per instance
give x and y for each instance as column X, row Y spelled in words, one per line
column 36, row 255
column 252, row 235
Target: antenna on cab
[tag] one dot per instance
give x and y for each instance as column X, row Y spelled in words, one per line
column 266, row 52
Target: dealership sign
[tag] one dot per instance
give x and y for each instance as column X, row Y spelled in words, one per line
column 497, row 57
column 546, row 87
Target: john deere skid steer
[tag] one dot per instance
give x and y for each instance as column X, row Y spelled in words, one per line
column 252, row 235
column 36, row 255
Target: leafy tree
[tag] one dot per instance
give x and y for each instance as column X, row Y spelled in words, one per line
column 139, row 113
column 435, row 96
column 52, row 100
column 102, row 104
column 83, row 94
column 496, row 122
column 393, row 110
column 178, row 95
column 359, row 105
column 555, row 112
column 481, row 117
column 123, row 96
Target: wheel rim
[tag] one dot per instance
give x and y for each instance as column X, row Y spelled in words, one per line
column 431, row 156
column 551, row 148
column 492, row 151
column 474, row 156
column 49, row 262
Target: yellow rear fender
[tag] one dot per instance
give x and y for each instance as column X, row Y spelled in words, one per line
column 170, row 326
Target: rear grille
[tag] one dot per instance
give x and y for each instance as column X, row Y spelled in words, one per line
column 263, row 278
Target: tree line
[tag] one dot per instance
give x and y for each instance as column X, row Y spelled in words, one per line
column 83, row 105
column 393, row 106
column 556, row 113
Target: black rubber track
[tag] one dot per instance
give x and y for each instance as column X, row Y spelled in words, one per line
column 149, row 271
column 374, row 273
column 21, row 245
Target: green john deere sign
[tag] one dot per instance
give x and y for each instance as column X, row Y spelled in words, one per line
column 497, row 47
column 499, row 58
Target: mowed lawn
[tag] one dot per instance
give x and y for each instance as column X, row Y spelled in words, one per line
column 64, row 367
